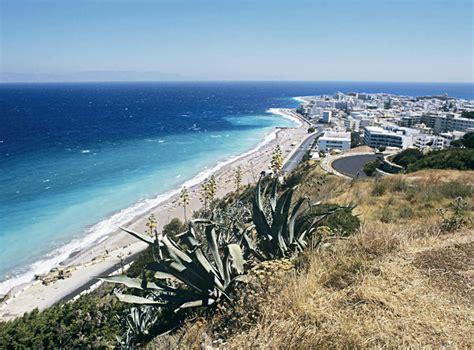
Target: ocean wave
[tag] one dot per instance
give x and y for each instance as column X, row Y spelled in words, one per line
column 277, row 111
column 300, row 99
column 106, row 227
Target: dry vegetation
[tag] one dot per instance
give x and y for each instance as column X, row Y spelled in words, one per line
column 402, row 281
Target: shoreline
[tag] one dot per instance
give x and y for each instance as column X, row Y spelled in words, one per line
column 107, row 251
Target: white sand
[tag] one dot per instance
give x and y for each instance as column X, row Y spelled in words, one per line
column 93, row 261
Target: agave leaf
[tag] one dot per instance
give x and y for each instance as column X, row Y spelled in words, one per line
column 201, row 258
column 258, row 215
column 202, row 221
column 196, row 303
column 227, row 268
column 189, row 239
column 293, row 217
column 197, row 278
column 280, row 222
column 248, row 244
column 237, row 257
column 273, row 195
column 133, row 299
column 140, row 236
column 123, row 279
column 174, row 252
column 163, row 275
column 130, row 282
column 214, row 248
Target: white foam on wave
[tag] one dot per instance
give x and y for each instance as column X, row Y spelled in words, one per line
column 86, row 151
column 99, row 232
column 300, row 99
column 279, row 112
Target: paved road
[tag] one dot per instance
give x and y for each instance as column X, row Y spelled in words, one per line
column 351, row 166
column 299, row 153
column 93, row 281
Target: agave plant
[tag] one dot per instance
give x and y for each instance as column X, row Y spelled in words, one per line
column 138, row 321
column 185, row 275
column 281, row 228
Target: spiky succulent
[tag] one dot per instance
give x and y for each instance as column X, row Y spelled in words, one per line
column 282, row 228
column 185, row 275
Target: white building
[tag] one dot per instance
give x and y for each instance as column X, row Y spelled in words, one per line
column 352, row 124
column 325, row 103
column 375, row 136
column 326, row 117
column 447, row 122
column 432, row 142
column 334, row 140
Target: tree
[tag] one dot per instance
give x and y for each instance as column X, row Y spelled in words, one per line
column 184, row 197
column 311, row 129
column 238, row 178
column 467, row 114
column 467, row 141
column 174, row 228
column 371, row 167
column 277, row 161
column 355, row 139
column 407, row 157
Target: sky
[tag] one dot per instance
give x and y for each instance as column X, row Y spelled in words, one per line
column 322, row 40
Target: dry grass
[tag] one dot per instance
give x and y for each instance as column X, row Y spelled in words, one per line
column 396, row 284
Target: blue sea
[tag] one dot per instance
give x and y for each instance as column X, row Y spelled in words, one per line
column 78, row 159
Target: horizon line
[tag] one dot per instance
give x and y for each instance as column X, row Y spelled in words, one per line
column 237, row 81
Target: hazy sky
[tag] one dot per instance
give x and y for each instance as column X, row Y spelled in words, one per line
column 369, row 40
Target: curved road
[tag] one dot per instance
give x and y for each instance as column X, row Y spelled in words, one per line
column 353, row 165
column 296, row 157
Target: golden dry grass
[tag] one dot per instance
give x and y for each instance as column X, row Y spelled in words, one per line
column 397, row 284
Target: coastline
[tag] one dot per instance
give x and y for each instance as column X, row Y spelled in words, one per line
column 108, row 251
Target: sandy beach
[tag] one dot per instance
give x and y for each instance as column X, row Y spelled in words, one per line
column 108, row 253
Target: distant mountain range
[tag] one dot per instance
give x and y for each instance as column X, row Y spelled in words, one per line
column 88, row 76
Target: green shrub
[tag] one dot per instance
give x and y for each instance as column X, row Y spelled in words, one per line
column 406, row 212
column 371, row 167
column 457, row 217
column 342, row 222
column 398, row 184
column 467, row 141
column 386, row 215
column 453, row 158
column 454, row 189
column 407, row 157
column 379, row 188
column 87, row 323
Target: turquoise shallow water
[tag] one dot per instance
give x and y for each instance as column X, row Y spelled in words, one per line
column 43, row 225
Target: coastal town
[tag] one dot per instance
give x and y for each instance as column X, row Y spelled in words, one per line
column 385, row 122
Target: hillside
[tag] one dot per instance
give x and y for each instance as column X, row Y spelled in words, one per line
column 404, row 280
